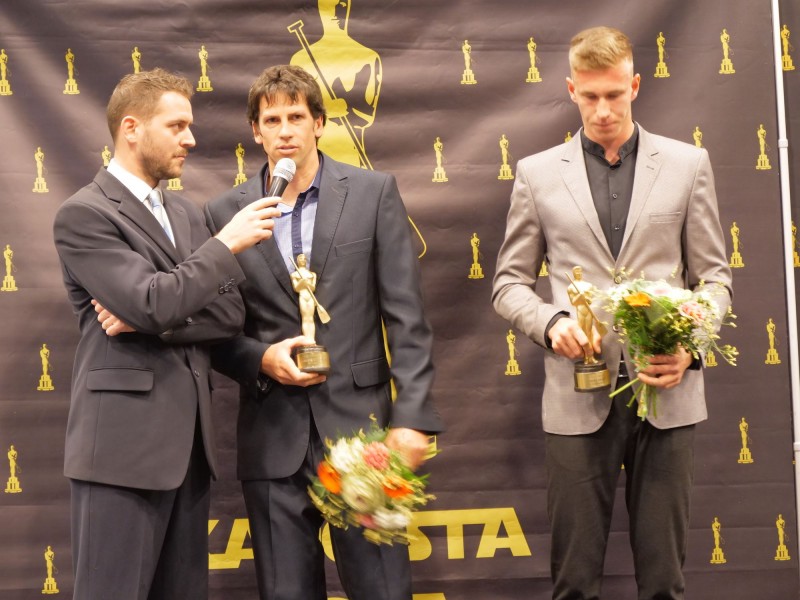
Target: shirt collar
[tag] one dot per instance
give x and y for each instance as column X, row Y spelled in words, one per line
column 285, row 208
column 138, row 187
column 628, row 148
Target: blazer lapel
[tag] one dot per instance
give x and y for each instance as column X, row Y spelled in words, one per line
column 332, row 194
column 250, row 192
column 573, row 172
column 647, row 168
column 181, row 229
column 132, row 208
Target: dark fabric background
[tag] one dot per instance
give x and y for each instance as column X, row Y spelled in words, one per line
column 492, row 454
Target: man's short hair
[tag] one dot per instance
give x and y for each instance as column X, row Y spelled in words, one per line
column 138, row 94
column 290, row 80
column 599, row 48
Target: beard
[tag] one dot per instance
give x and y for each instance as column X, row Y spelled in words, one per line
column 159, row 166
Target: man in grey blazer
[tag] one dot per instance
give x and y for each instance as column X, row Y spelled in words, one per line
column 352, row 226
column 151, row 290
column 614, row 197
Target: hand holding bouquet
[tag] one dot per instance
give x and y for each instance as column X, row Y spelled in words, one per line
column 364, row 483
column 656, row 318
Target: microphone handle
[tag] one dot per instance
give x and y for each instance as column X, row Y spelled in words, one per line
column 277, row 186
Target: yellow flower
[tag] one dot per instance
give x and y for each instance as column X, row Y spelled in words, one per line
column 638, row 299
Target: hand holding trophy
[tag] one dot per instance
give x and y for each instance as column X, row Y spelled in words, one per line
column 591, row 373
column 311, row 358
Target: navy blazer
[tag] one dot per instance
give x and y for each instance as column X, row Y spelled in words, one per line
column 367, row 273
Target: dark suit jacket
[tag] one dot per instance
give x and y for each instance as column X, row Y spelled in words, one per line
column 672, row 233
column 135, row 396
column 366, row 271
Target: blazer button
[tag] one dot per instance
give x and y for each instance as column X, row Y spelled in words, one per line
column 617, row 279
column 196, row 373
column 189, row 320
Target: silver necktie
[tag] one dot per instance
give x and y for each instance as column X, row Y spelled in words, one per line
column 159, row 214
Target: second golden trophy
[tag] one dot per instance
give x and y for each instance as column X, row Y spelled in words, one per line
column 591, row 373
column 311, row 358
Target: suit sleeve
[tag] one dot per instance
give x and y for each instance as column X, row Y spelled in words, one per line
column 97, row 257
column 518, row 261
column 238, row 357
column 703, row 239
column 220, row 320
column 408, row 332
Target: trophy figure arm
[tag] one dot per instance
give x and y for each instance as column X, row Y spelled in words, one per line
column 361, row 99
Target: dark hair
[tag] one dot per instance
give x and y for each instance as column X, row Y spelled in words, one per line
column 138, row 94
column 294, row 82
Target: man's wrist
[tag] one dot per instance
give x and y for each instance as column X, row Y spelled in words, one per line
column 557, row 317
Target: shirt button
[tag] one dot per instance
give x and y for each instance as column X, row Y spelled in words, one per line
column 188, row 320
column 616, row 228
column 196, row 373
column 614, row 196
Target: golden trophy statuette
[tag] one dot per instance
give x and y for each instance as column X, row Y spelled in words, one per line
column 591, row 373
column 312, row 358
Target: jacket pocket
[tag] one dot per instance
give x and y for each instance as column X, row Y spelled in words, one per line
column 370, row 372
column 669, row 217
column 120, row 379
column 364, row 245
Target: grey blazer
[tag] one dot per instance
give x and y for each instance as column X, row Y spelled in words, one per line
column 672, row 233
column 367, row 272
column 136, row 396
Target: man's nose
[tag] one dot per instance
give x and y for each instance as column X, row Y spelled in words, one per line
column 188, row 139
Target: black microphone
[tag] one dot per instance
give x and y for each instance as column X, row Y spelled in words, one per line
column 282, row 174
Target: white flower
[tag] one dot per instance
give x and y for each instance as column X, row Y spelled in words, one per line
column 345, row 455
column 392, row 519
column 361, row 493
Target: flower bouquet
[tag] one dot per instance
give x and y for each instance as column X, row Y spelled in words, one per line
column 362, row 482
column 656, row 318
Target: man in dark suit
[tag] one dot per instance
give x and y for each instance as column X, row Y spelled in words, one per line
column 614, row 197
column 151, row 290
column 352, row 226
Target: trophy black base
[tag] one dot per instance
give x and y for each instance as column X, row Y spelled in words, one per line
column 312, row 359
column 591, row 377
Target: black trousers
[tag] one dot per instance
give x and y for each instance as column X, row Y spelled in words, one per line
column 289, row 559
column 132, row 544
column 582, row 475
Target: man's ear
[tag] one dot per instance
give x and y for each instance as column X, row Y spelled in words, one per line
column 637, row 79
column 571, row 89
column 319, row 127
column 128, row 128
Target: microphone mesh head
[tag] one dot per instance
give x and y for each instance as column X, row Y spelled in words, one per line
column 285, row 168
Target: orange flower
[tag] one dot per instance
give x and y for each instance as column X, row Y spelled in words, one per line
column 396, row 487
column 329, row 477
column 638, row 299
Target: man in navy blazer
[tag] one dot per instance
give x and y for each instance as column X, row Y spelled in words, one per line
column 352, row 226
column 151, row 290
column 614, row 199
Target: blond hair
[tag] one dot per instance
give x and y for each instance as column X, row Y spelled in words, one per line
column 599, row 48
